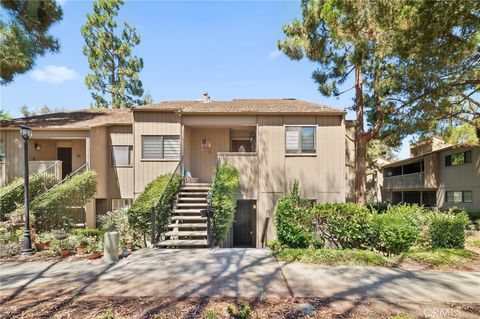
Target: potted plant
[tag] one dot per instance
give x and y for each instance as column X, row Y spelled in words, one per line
column 81, row 247
column 43, row 241
column 94, row 251
column 59, row 234
column 65, row 248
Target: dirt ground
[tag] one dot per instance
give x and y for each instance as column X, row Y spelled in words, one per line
column 66, row 306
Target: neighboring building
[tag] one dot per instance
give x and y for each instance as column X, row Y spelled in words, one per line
column 436, row 175
column 271, row 142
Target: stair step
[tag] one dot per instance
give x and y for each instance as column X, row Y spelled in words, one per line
column 183, row 243
column 193, row 193
column 188, row 205
column 189, row 225
column 198, row 184
column 187, row 210
column 192, row 199
column 196, row 218
column 184, row 233
column 196, row 188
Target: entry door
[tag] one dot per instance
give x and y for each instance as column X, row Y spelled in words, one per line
column 237, row 145
column 244, row 224
column 64, row 154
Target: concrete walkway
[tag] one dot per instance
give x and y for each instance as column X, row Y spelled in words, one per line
column 233, row 273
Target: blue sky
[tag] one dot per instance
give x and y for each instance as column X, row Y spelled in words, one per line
column 226, row 48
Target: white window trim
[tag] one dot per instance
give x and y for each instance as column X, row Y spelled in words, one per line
column 301, row 154
column 130, row 155
column 162, row 159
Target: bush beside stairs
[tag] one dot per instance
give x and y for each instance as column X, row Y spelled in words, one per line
column 187, row 228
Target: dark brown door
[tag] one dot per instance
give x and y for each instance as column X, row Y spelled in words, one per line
column 244, row 224
column 237, row 146
column 64, row 154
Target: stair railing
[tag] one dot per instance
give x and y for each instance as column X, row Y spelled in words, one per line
column 51, row 170
column 155, row 235
column 81, row 169
column 209, row 212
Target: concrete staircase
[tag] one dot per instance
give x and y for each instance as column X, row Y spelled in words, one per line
column 188, row 229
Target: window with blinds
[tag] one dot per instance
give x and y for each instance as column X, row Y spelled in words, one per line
column 160, row 147
column 122, row 155
column 300, row 139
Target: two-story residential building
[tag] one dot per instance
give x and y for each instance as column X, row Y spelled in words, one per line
column 437, row 175
column 271, row 142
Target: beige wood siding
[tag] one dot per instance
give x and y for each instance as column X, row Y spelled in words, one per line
column 152, row 123
column 203, row 161
column 431, row 162
column 218, row 120
column 247, row 166
column 464, row 177
column 120, row 177
column 99, row 149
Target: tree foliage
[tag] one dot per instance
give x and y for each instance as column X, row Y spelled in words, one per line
column 27, row 111
column 115, row 71
column 25, row 36
column 398, row 53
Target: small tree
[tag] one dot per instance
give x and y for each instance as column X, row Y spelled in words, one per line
column 115, row 72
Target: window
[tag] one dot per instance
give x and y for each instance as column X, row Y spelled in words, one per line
column 119, row 203
column 458, row 158
column 459, row 197
column 122, row 155
column 300, row 139
column 2, row 150
column 160, row 146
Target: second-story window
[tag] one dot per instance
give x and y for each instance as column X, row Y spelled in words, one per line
column 458, row 158
column 300, row 139
column 160, row 147
column 122, row 155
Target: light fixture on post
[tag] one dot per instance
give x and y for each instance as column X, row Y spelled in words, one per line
column 26, row 133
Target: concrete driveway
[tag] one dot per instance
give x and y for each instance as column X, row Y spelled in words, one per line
column 233, row 273
column 154, row 272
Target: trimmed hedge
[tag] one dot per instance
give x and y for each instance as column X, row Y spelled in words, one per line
column 11, row 196
column 345, row 225
column 224, row 201
column 448, row 230
column 140, row 214
column 51, row 209
column 396, row 230
column 291, row 220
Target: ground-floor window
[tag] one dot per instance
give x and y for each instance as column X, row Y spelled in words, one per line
column 425, row 198
column 119, row 203
column 458, row 197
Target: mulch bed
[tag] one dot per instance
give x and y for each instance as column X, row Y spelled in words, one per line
column 67, row 306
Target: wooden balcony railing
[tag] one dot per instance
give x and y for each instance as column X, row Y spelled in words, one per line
column 407, row 181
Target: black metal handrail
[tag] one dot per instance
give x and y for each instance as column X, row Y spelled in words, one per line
column 44, row 172
column 156, row 236
column 84, row 167
column 209, row 206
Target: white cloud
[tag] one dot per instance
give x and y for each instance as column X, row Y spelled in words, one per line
column 273, row 55
column 54, row 74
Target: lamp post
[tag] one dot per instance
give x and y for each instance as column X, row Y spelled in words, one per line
column 26, row 133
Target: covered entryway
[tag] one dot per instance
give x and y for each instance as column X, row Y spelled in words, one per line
column 244, row 229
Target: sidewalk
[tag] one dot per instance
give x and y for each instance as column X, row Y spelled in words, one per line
column 233, row 273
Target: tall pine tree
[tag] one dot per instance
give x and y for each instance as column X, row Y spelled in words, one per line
column 114, row 81
column 25, row 35
column 386, row 47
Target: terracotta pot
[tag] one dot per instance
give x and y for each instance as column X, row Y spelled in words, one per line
column 65, row 252
column 39, row 246
column 80, row 250
column 94, row 255
column 46, row 244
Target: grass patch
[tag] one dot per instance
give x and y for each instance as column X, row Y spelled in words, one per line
column 332, row 256
column 440, row 257
column 475, row 242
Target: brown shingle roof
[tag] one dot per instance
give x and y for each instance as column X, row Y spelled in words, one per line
column 243, row 106
column 76, row 119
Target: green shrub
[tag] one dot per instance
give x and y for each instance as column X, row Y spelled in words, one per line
column 379, row 207
column 11, row 196
column 398, row 229
column 291, row 220
column 88, row 233
column 224, row 201
column 51, row 209
column 140, row 214
column 448, row 230
column 163, row 208
column 346, row 225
